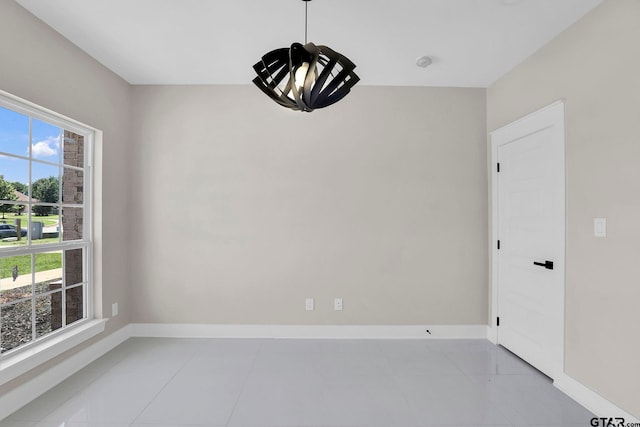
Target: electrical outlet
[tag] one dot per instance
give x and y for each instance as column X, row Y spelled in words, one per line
column 309, row 304
column 337, row 304
column 600, row 227
column 114, row 309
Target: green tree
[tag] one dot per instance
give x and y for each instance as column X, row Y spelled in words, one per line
column 19, row 186
column 7, row 192
column 22, row 188
column 45, row 190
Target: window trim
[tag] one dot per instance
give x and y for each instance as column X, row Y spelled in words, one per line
column 47, row 348
column 24, row 358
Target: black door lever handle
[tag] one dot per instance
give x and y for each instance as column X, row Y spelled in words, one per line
column 547, row 264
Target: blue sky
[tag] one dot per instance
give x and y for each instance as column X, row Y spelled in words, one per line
column 14, row 139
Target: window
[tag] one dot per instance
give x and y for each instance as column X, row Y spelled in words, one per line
column 45, row 227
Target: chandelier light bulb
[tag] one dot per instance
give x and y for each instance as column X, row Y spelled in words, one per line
column 301, row 75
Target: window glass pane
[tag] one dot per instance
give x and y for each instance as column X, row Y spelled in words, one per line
column 15, row 325
column 48, row 275
column 48, row 313
column 16, row 172
column 73, row 267
column 72, row 222
column 13, row 232
column 45, row 141
column 14, row 133
column 14, row 176
column 45, row 226
column 45, row 185
column 72, row 186
column 73, row 154
column 75, row 304
column 15, row 278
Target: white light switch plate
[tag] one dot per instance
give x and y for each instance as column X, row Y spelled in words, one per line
column 600, row 227
column 309, row 304
column 114, row 309
column 337, row 304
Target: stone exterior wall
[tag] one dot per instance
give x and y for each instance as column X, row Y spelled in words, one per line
column 72, row 180
column 72, row 223
column 75, row 309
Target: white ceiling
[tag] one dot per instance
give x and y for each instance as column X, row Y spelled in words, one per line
column 472, row 42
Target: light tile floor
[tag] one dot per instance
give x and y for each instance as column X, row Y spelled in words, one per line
column 251, row 383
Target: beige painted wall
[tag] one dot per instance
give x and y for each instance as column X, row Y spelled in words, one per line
column 595, row 67
column 249, row 208
column 39, row 65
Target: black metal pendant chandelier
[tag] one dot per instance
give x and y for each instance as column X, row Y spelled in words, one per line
column 305, row 77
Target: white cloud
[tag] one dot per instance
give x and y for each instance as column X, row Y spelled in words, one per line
column 46, row 148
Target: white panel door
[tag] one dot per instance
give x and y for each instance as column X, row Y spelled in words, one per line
column 531, row 232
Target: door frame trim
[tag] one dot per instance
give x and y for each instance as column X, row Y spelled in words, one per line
column 492, row 333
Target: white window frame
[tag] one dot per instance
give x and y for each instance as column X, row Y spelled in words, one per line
column 17, row 361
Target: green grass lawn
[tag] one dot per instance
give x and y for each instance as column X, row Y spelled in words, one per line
column 44, row 262
column 23, row 242
column 49, row 220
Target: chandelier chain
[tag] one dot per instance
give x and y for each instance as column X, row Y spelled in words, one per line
column 306, row 14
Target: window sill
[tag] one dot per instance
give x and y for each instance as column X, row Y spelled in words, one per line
column 15, row 365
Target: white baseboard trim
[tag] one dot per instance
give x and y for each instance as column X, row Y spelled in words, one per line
column 591, row 400
column 308, row 331
column 492, row 334
column 28, row 391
